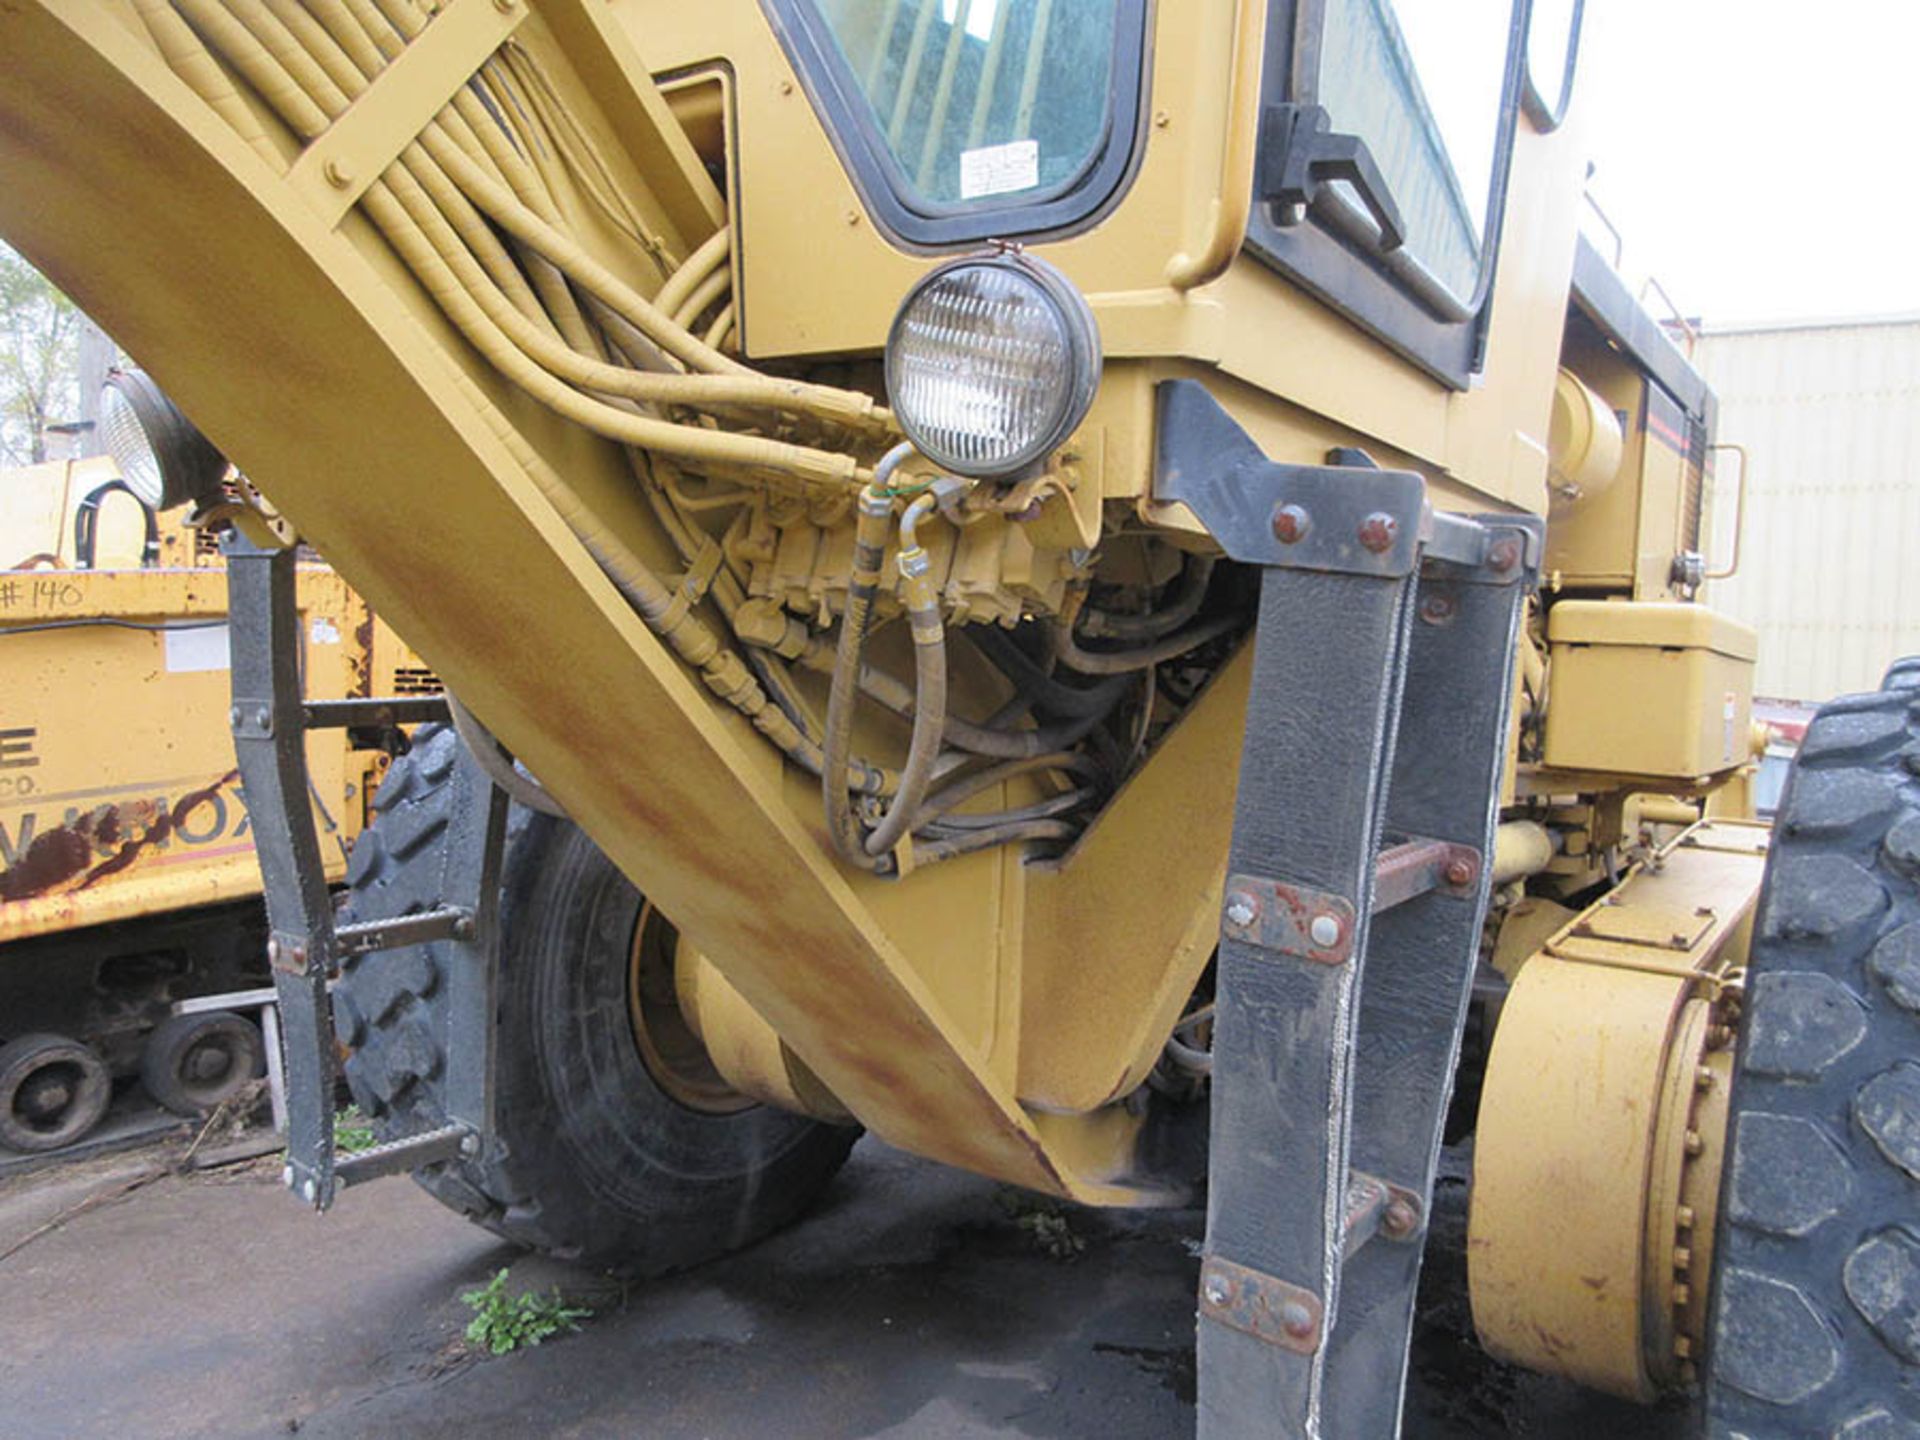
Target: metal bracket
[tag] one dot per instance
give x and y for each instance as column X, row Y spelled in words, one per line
column 1261, row 1306
column 334, row 171
column 1349, row 517
column 1291, row 919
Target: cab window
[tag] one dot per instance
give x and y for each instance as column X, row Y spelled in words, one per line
column 955, row 114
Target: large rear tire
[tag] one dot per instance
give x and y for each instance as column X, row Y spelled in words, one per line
column 598, row 1157
column 1815, row 1327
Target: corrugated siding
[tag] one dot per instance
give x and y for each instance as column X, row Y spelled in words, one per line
column 1830, row 571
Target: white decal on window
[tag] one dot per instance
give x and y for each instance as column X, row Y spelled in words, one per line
column 999, row 169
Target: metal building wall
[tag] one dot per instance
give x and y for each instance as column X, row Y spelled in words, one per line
column 1830, row 566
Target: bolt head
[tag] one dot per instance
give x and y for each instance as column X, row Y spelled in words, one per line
column 1216, row 1290
column 1400, row 1218
column 1503, row 554
column 286, row 1176
column 339, row 174
column 1241, row 909
column 1436, row 609
column 1324, row 931
column 1459, row 871
column 1377, row 532
column 1291, row 523
column 233, row 716
column 310, row 1192
column 263, row 717
column 1296, row 1320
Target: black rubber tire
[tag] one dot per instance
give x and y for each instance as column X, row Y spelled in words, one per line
column 1815, row 1322
column 593, row 1160
column 82, row 1084
column 193, row 1062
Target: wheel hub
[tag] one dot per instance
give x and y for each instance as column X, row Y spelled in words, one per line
column 46, row 1095
column 669, row 1046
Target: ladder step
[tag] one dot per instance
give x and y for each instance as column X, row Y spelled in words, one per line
column 1377, row 1209
column 361, row 937
column 380, row 710
column 408, row 1153
column 1409, row 870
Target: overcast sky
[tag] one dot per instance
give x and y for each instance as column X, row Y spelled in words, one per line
column 1759, row 154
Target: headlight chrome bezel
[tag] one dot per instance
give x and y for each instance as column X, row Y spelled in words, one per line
column 1079, row 335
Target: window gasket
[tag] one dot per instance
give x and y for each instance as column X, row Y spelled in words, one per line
column 893, row 201
column 1330, row 252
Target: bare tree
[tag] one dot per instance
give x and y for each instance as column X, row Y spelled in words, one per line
column 39, row 354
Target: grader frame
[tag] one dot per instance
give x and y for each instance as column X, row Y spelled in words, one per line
column 1382, row 454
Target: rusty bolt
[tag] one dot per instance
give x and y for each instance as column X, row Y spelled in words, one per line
column 1460, row 871
column 1324, row 931
column 1291, row 524
column 1296, row 1320
column 1437, row 609
column 1242, row 909
column 463, row 928
column 1216, row 1290
column 1503, row 554
column 1401, row 1218
column 1377, row 532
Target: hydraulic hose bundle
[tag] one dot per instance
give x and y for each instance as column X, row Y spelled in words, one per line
column 473, row 208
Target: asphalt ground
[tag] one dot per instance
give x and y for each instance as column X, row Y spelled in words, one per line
column 915, row 1301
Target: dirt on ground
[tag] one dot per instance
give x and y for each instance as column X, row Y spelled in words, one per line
column 915, row 1301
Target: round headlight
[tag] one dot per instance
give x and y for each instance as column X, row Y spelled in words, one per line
column 992, row 362
column 163, row 458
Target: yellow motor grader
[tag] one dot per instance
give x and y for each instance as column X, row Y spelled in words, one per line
column 1055, row 579
column 129, row 894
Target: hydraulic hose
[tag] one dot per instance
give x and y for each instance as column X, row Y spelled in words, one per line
column 873, row 515
column 1048, row 693
column 1184, row 604
column 1125, row 662
column 930, row 681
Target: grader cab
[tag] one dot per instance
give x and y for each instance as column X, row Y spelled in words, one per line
column 1055, row 579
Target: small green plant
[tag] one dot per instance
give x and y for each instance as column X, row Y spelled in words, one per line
column 503, row 1323
column 1045, row 1223
column 352, row 1131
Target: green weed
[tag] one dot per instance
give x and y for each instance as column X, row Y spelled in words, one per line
column 503, row 1323
column 352, row 1131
